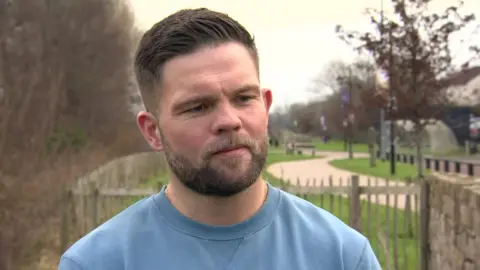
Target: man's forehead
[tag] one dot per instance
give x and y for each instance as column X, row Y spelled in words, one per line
column 208, row 60
column 204, row 76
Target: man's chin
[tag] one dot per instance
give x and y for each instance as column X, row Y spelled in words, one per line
column 233, row 187
column 234, row 169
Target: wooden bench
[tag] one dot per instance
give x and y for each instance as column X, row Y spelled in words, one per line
column 300, row 146
column 292, row 148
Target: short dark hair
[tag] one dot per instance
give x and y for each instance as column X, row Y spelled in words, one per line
column 181, row 33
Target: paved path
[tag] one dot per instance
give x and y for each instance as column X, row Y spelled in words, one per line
column 321, row 169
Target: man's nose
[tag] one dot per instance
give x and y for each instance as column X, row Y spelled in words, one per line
column 226, row 120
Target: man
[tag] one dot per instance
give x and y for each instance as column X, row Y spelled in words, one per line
column 198, row 71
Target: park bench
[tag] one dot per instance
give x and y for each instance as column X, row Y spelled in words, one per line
column 298, row 148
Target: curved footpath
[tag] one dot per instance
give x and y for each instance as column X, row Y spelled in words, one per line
column 321, row 169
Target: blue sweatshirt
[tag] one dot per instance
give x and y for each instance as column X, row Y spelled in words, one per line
column 287, row 233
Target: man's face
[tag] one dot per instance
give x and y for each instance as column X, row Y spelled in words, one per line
column 213, row 120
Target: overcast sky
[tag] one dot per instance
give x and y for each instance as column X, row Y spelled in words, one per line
column 295, row 39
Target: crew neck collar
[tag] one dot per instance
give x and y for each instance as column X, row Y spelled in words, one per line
column 188, row 226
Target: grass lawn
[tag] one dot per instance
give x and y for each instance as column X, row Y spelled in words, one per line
column 382, row 169
column 338, row 146
column 378, row 221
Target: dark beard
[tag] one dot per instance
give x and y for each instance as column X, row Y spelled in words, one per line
column 210, row 180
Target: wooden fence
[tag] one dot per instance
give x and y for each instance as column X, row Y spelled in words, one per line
column 438, row 164
column 101, row 194
column 391, row 214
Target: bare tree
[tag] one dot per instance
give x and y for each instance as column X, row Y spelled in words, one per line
column 351, row 93
column 336, row 73
column 64, row 71
column 68, row 55
column 413, row 47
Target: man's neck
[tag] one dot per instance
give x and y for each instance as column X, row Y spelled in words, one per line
column 217, row 211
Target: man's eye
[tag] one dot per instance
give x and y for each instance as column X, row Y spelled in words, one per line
column 245, row 98
column 197, row 109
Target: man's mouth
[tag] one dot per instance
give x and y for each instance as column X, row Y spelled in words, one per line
column 231, row 150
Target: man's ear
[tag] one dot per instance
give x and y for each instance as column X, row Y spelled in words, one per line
column 147, row 123
column 267, row 98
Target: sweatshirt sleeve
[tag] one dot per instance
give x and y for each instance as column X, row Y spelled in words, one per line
column 368, row 260
column 68, row 264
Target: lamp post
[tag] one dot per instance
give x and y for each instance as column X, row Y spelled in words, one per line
column 344, row 101
column 392, row 104
column 349, row 116
column 324, row 129
column 385, row 81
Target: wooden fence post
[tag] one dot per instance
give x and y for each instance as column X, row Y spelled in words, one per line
column 94, row 201
column 66, row 196
column 408, row 210
column 355, row 209
column 283, row 185
column 159, row 186
column 424, row 220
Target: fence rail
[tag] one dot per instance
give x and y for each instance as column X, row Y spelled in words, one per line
column 368, row 190
column 116, row 192
column 443, row 165
column 101, row 194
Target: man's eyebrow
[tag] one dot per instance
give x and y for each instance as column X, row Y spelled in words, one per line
column 247, row 88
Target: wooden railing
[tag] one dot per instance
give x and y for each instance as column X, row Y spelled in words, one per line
column 101, row 194
column 437, row 164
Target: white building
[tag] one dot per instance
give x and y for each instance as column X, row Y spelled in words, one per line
column 463, row 87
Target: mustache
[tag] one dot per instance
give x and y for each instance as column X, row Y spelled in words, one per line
column 233, row 141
